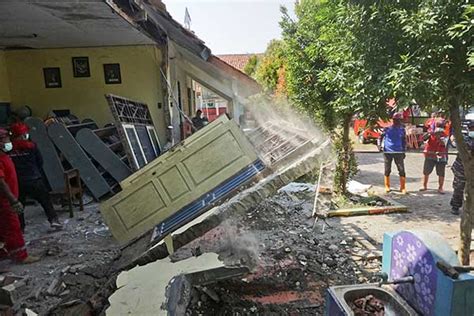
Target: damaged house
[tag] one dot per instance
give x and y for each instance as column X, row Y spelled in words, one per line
column 59, row 59
column 67, row 55
column 108, row 88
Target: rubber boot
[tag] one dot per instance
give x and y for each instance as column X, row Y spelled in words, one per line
column 403, row 183
column 387, row 184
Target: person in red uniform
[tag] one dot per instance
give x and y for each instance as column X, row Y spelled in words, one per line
column 10, row 230
column 435, row 156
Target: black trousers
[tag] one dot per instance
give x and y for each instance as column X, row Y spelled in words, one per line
column 399, row 162
column 36, row 190
column 458, row 192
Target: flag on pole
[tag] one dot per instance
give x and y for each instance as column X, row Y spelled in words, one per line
column 187, row 19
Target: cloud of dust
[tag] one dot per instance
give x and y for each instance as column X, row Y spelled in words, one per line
column 277, row 116
column 281, row 113
column 238, row 247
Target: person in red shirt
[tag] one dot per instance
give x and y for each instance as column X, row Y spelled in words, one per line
column 435, row 156
column 10, row 230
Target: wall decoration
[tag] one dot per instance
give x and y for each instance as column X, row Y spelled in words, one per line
column 52, row 77
column 112, row 73
column 80, row 67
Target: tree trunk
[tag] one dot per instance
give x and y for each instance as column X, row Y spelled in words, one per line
column 468, row 212
column 346, row 143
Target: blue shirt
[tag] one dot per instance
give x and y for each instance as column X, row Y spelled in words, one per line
column 394, row 139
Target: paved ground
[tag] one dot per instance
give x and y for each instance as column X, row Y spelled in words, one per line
column 428, row 210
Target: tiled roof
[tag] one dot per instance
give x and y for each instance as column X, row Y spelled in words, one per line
column 237, row 60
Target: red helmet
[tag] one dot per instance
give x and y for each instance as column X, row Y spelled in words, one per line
column 19, row 129
column 397, row 116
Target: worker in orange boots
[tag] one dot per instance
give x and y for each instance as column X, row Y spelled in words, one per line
column 392, row 142
column 10, row 230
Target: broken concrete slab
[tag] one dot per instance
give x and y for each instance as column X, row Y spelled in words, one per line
column 143, row 290
column 10, row 293
column 242, row 202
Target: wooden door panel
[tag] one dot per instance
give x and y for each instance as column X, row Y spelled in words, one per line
column 176, row 179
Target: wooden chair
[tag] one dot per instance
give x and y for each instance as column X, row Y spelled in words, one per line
column 73, row 189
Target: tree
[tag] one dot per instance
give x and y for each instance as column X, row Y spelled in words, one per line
column 251, row 65
column 421, row 49
column 269, row 72
column 332, row 76
column 438, row 68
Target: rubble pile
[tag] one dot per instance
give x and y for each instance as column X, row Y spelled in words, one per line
column 296, row 261
column 75, row 262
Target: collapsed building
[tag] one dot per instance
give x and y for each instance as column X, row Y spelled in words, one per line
column 108, row 89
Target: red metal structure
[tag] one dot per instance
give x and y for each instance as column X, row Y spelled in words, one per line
column 213, row 113
column 367, row 134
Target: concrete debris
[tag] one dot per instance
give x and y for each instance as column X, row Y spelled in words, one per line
column 294, row 187
column 52, row 289
column 29, row 312
column 142, row 290
column 243, row 202
column 294, row 267
column 10, row 292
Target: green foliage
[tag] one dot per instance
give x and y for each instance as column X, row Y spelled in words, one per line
column 268, row 70
column 346, row 56
column 438, row 46
column 464, row 30
column 251, row 65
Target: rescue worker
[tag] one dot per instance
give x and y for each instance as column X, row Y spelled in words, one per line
column 392, row 142
column 459, row 182
column 435, row 156
column 29, row 163
column 199, row 121
column 10, row 230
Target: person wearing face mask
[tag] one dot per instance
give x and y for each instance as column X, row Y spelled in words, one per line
column 10, row 230
column 459, row 182
column 29, row 163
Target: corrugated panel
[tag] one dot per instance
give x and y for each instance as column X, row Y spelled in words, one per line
column 204, row 203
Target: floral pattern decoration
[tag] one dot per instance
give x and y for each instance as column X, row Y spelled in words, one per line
column 410, row 257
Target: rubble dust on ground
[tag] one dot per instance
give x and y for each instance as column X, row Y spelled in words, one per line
column 293, row 262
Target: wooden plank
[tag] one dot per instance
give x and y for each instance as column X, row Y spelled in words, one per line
column 103, row 154
column 178, row 178
column 373, row 210
column 52, row 165
column 78, row 159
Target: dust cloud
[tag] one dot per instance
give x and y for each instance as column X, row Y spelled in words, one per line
column 276, row 129
column 238, row 247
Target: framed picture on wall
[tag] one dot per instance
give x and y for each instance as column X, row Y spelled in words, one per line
column 80, row 67
column 112, row 74
column 52, row 77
